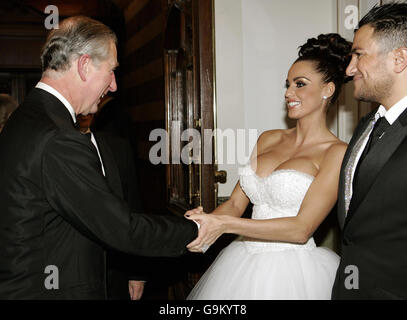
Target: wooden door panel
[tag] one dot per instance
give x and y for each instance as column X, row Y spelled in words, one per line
column 188, row 60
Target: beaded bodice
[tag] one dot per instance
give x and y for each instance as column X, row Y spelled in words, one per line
column 277, row 195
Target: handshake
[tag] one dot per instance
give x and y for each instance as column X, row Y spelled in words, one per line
column 211, row 227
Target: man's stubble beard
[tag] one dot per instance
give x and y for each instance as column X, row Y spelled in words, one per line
column 381, row 90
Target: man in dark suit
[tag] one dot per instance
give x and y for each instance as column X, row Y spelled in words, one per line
column 57, row 211
column 126, row 274
column 372, row 192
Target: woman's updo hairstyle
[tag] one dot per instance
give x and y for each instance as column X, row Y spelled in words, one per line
column 331, row 54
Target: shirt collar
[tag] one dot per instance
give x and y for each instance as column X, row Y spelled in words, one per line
column 394, row 112
column 381, row 112
column 60, row 97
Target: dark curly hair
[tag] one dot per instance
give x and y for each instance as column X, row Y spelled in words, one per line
column 389, row 22
column 331, row 54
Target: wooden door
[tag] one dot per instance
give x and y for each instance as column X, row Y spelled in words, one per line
column 189, row 96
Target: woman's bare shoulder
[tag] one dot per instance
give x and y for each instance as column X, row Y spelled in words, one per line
column 271, row 137
column 335, row 152
column 337, row 146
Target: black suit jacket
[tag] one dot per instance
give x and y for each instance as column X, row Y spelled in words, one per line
column 56, row 208
column 374, row 232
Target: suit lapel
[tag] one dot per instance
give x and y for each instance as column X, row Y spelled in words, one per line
column 111, row 169
column 62, row 118
column 375, row 160
column 54, row 108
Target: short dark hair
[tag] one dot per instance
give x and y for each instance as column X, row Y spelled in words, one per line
column 389, row 22
column 76, row 36
column 331, row 55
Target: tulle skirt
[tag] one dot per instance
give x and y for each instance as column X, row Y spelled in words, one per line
column 275, row 272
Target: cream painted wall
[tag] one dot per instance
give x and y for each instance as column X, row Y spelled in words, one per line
column 256, row 42
column 230, row 109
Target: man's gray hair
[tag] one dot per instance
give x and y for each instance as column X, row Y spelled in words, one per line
column 76, row 36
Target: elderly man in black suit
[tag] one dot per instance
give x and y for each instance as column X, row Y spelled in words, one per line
column 57, row 211
column 372, row 192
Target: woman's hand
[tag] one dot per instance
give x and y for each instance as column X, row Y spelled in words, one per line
column 212, row 227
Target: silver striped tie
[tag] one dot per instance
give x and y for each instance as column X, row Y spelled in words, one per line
column 352, row 163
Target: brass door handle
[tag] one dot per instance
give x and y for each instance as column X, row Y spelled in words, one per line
column 220, row 176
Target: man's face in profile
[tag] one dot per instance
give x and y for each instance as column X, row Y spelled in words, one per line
column 371, row 78
column 101, row 80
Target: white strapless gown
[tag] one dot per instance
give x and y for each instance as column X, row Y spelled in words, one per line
column 261, row 270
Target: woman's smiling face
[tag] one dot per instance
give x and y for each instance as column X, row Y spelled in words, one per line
column 305, row 90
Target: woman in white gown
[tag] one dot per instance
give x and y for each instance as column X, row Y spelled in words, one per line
column 292, row 181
